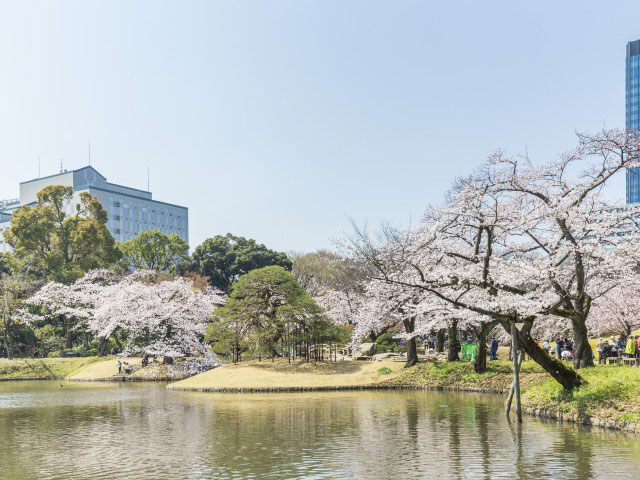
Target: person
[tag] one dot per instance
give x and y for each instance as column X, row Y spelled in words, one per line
column 600, row 349
column 559, row 348
column 546, row 346
column 620, row 344
column 119, row 366
column 630, row 349
column 637, row 350
column 614, row 347
column 568, row 345
column 493, row 348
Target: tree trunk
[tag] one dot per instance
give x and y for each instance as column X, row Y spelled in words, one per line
column 480, row 365
column 68, row 343
column 440, row 340
column 516, row 371
column 452, row 331
column 582, row 353
column 565, row 376
column 102, row 347
column 412, row 349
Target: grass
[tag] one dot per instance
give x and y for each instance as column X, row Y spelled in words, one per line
column 498, row 377
column 613, row 393
column 43, row 367
column 101, row 369
column 281, row 375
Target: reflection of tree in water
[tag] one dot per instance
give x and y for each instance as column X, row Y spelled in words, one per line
column 146, row 432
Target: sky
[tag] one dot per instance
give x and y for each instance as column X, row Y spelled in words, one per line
column 281, row 120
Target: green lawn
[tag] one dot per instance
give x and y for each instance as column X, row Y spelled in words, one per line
column 43, row 367
column 613, row 393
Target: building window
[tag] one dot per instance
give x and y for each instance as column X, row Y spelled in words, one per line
column 116, row 204
column 116, row 217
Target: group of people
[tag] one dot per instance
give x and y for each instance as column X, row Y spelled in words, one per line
column 617, row 347
column 124, row 367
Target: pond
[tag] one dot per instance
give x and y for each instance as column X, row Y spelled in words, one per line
column 143, row 431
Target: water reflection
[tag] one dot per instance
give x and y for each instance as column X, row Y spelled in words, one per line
column 133, row 431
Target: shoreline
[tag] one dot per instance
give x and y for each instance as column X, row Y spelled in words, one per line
column 608, row 401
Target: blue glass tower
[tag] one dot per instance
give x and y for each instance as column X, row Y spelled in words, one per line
column 633, row 113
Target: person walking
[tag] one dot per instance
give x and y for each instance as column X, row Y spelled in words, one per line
column 119, row 366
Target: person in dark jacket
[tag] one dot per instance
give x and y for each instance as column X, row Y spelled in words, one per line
column 559, row 348
column 493, row 349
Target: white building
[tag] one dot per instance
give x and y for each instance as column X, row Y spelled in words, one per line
column 130, row 210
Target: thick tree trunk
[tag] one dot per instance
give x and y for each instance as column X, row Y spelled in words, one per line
column 565, row 376
column 412, row 349
column 102, row 347
column 452, row 331
column 68, row 343
column 582, row 353
column 440, row 336
column 480, row 365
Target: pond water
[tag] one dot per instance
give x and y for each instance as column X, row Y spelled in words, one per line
column 143, row 431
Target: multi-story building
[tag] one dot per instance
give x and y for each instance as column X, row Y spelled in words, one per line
column 632, row 120
column 130, row 210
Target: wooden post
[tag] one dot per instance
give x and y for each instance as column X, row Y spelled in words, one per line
column 516, row 373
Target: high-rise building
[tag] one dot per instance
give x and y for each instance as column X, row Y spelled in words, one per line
column 130, row 211
column 632, row 120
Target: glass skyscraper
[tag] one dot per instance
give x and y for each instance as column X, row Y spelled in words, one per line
column 633, row 113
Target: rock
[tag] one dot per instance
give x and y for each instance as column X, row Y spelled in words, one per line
column 364, row 350
column 380, row 356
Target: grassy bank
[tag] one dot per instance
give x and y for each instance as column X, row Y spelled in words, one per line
column 31, row 368
column 279, row 375
column 613, row 393
column 460, row 375
column 101, row 370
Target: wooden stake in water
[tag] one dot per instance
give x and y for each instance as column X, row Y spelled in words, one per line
column 516, row 371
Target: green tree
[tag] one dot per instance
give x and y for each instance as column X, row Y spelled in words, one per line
column 224, row 258
column 153, row 250
column 4, row 264
column 14, row 289
column 63, row 242
column 326, row 270
column 269, row 311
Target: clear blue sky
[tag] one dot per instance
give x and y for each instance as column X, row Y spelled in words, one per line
column 279, row 119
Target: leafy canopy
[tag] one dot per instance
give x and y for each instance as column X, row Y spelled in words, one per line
column 62, row 239
column 224, row 258
column 153, row 250
column 263, row 305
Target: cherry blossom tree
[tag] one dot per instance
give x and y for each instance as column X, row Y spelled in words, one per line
column 161, row 314
column 618, row 310
column 516, row 243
